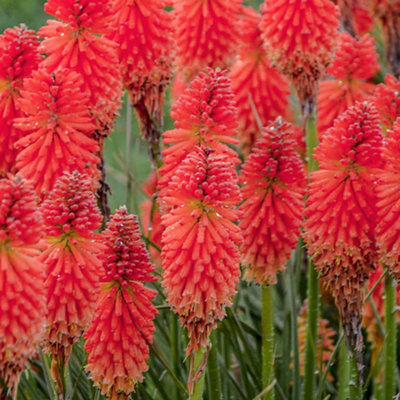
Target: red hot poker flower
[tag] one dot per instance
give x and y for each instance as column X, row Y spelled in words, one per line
column 341, row 210
column 274, row 188
column 71, row 260
column 205, row 114
column 205, row 33
column 119, row 335
column 355, row 62
column 142, row 30
column 18, row 58
column 387, row 231
column 259, row 88
column 387, row 101
column 301, row 35
column 21, row 277
column 57, row 129
column 199, row 244
column 77, row 44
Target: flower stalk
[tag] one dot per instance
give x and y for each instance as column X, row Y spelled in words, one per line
column 268, row 343
column 390, row 339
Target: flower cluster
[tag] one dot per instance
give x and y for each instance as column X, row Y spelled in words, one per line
column 199, row 244
column 341, row 210
column 23, row 304
column 77, row 42
column 204, row 114
column 121, row 331
column 355, row 63
column 205, row 33
column 19, row 56
column 57, row 129
column 301, row 35
column 274, row 187
column 71, row 260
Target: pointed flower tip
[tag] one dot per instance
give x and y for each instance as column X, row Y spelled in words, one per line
column 204, row 114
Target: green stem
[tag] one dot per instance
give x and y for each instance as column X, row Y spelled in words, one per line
column 313, row 281
column 198, row 375
column 174, row 350
column 267, row 320
column 354, row 383
column 295, row 265
column 312, row 325
column 344, row 372
column 390, row 339
column 214, row 378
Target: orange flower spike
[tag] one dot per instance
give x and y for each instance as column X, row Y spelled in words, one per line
column 119, row 335
column 21, row 278
column 341, row 210
column 204, row 114
column 387, row 231
column 199, row 244
column 253, row 76
column 77, row 42
column 71, row 260
column 355, row 62
column 301, row 35
column 57, row 129
column 19, row 56
column 387, row 101
column 144, row 57
column 206, row 34
column 274, row 187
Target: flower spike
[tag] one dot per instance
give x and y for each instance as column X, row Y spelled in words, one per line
column 71, row 260
column 23, row 306
column 199, row 254
column 121, row 331
column 341, row 211
column 274, row 188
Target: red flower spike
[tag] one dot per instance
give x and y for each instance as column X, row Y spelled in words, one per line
column 205, row 33
column 325, row 341
column 205, row 114
column 144, row 36
column 260, row 90
column 71, row 260
column 387, row 231
column 119, row 335
column 274, row 187
column 356, row 61
column 387, row 101
column 144, row 58
column 301, row 35
column 57, row 129
column 18, row 58
column 21, row 277
column 77, row 44
column 199, row 244
column 341, row 210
